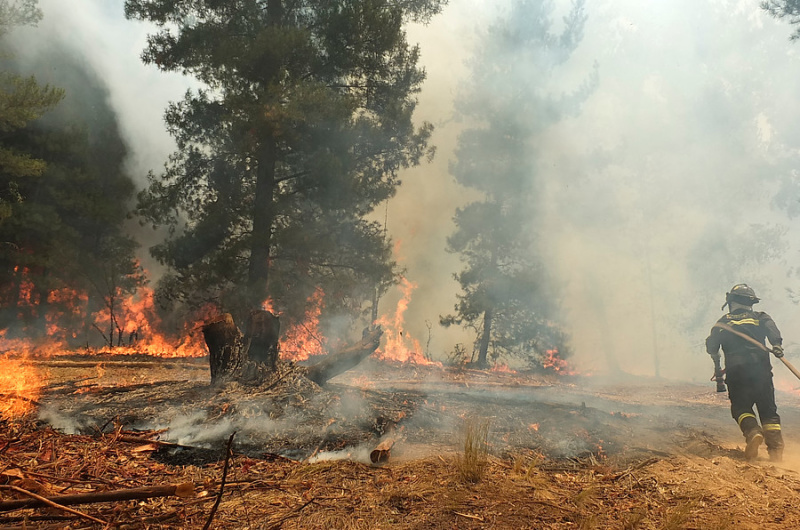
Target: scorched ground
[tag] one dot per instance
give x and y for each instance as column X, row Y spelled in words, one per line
column 568, row 452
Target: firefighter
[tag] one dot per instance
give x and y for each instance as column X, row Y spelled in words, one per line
column 748, row 371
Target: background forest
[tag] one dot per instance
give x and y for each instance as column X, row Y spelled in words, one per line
column 544, row 179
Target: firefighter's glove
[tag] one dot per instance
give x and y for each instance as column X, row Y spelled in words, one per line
column 719, row 377
column 777, row 351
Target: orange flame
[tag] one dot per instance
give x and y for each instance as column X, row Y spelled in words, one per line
column 555, row 363
column 136, row 328
column 20, row 385
column 304, row 339
column 503, row 368
column 400, row 346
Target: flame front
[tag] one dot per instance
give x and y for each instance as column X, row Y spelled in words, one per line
column 503, row 368
column 400, row 346
column 129, row 324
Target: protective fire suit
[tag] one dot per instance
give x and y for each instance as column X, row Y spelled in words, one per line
column 749, row 373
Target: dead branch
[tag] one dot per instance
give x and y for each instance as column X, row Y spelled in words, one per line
column 148, row 492
column 52, row 504
column 293, row 513
column 22, row 398
column 336, row 363
column 143, row 440
column 222, row 483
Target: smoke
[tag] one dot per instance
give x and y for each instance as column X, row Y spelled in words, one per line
column 97, row 33
column 674, row 182
column 657, row 197
column 68, row 424
column 108, row 47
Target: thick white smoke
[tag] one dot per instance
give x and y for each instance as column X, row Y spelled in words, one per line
column 659, row 195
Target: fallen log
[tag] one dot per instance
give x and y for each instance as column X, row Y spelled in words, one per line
column 148, row 492
column 336, row 363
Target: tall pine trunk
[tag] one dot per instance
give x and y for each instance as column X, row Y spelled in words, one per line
column 263, row 206
column 263, row 214
column 488, row 317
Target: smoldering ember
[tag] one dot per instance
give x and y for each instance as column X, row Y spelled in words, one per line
column 389, row 265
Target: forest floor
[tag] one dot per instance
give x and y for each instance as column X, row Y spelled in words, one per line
column 541, row 452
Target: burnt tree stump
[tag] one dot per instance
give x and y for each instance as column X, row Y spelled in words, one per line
column 224, row 341
column 261, row 338
column 251, row 357
column 233, row 356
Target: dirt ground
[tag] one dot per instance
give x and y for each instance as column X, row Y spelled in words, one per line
column 559, row 453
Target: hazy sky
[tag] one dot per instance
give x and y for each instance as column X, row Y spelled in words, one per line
column 653, row 196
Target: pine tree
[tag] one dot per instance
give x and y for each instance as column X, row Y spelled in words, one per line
column 22, row 100
column 789, row 9
column 505, row 294
column 66, row 254
column 300, row 133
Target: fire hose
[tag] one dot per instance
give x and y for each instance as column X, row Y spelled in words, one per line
column 751, row 340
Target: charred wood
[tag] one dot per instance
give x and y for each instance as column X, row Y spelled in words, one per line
column 339, row 362
column 261, row 338
column 224, row 341
column 381, row 452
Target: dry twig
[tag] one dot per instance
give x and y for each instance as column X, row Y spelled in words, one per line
column 222, row 483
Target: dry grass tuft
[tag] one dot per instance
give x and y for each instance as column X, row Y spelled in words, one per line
column 678, row 516
column 632, row 520
column 472, row 463
column 587, row 496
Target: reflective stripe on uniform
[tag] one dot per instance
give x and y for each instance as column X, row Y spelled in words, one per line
column 772, row 426
column 743, row 416
column 744, row 321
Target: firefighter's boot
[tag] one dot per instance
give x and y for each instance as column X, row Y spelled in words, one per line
column 774, row 440
column 754, row 439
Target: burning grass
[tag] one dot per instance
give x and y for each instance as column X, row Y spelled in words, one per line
column 20, row 387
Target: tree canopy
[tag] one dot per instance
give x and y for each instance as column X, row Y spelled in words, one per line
column 22, row 100
column 785, row 9
column 301, row 130
column 65, row 254
column 506, row 103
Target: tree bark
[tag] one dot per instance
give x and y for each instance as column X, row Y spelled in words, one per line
column 261, row 339
column 261, row 239
column 488, row 317
column 224, row 343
